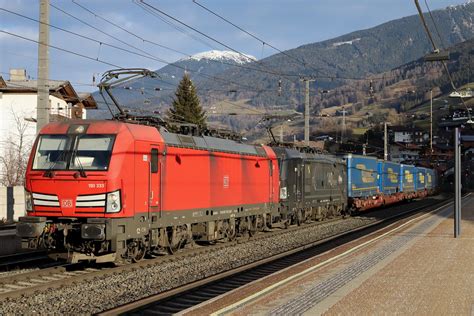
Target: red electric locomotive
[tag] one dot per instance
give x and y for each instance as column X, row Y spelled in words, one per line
column 106, row 190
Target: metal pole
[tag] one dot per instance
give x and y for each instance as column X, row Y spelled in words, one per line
column 306, row 113
column 42, row 107
column 306, row 110
column 457, row 183
column 385, row 142
column 431, row 121
column 343, row 133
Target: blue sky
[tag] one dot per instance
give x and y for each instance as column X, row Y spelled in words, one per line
column 283, row 23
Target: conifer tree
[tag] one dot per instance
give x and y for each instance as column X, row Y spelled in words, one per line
column 186, row 105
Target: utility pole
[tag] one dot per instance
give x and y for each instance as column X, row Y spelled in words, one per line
column 306, row 111
column 42, row 107
column 385, row 142
column 457, row 183
column 343, row 133
column 431, row 121
column 281, row 133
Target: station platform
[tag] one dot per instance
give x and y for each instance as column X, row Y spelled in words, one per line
column 418, row 268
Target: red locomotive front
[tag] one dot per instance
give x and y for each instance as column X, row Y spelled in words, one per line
column 105, row 190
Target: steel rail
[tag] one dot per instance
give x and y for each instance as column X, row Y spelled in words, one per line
column 192, row 289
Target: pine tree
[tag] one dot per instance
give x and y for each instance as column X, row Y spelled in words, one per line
column 186, row 105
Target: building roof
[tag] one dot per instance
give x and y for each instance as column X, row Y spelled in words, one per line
column 58, row 88
column 412, row 147
column 405, row 129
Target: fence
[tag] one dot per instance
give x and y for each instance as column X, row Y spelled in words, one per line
column 12, row 203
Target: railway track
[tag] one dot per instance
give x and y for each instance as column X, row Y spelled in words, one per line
column 54, row 277
column 11, row 227
column 187, row 296
column 38, row 280
column 23, row 260
column 26, row 284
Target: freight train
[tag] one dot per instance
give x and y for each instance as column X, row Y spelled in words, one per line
column 111, row 190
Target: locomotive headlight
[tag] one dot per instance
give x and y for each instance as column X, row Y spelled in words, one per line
column 28, row 201
column 283, row 193
column 113, row 202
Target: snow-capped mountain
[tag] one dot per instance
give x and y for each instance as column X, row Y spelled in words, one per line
column 224, row 55
column 152, row 94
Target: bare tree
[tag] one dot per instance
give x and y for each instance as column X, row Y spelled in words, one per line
column 15, row 154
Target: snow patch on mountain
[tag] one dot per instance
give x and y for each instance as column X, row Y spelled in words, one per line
column 222, row 55
column 346, row 42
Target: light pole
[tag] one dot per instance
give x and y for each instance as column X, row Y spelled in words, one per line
column 431, row 121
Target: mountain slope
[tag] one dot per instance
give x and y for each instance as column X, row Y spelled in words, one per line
column 354, row 55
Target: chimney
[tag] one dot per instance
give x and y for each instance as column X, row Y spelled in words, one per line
column 17, row 74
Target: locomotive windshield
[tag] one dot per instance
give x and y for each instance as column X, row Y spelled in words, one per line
column 73, row 152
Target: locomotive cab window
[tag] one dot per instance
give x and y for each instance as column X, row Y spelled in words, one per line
column 92, row 152
column 51, row 152
column 66, row 152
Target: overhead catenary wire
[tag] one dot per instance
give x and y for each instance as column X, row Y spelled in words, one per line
column 170, row 48
column 176, row 27
column 435, row 25
column 62, row 49
column 151, row 56
column 435, row 49
column 207, row 36
column 302, row 62
column 36, row 78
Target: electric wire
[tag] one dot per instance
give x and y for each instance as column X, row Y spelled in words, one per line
column 420, row 13
column 207, row 76
column 61, row 49
column 435, row 25
column 207, row 36
column 254, row 36
column 170, row 48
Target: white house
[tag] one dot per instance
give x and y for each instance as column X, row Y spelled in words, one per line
column 407, row 135
column 18, row 103
column 402, row 152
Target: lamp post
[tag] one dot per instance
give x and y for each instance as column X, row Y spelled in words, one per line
column 431, row 121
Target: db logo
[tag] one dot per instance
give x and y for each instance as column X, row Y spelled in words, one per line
column 66, row 203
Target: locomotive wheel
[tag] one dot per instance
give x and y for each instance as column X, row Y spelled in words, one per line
column 253, row 225
column 139, row 252
column 176, row 239
column 299, row 217
column 136, row 251
column 231, row 233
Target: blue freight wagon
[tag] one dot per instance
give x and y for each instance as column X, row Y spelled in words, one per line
column 420, row 179
column 431, row 180
column 362, row 176
column 407, row 178
column 389, row 174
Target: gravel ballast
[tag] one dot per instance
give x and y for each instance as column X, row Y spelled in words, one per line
column 105, row 292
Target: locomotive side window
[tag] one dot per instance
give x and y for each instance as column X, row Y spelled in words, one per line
column 154, row 160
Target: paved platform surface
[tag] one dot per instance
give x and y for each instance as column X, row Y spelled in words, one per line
column 418, row 269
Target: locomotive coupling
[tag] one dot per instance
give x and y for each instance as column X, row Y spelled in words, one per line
column 93, row 231
column 30, row 226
